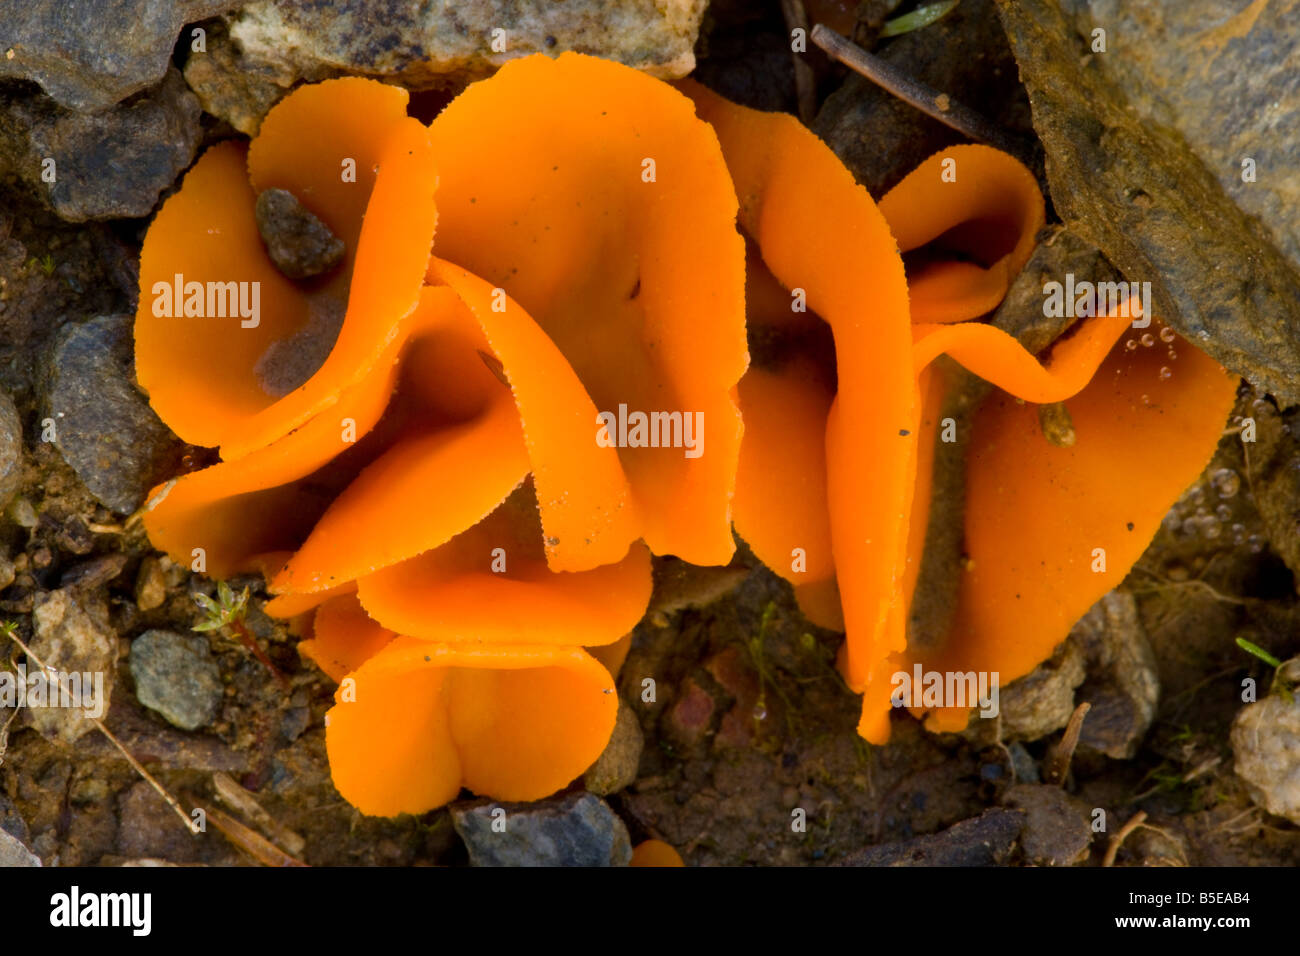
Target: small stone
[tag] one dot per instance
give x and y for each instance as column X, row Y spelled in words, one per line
column 23, row 513
column 95, row 572
column 616, row 768
column 13, row 853
column 150, row 584
column 7, row 571
column 146, row 143
column 1057, row 828
column 176, row 676
column 73, row 636
column 104, row 427
column 576, row 829
column 1266, row 746
column 300, row 245
column 11, row 449
column 679, row 585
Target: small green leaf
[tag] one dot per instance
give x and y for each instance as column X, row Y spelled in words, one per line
column 1257, row 651
column 918, row 18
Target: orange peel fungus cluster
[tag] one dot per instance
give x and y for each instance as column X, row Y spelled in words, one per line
column 430, row 492
column 434, row 451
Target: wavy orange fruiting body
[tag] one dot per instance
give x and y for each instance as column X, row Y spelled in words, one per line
column 809, row 219
column 609, row 222
column 967, row 219
column 453, row 417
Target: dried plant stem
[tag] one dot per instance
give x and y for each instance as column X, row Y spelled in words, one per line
column 931, row 102
column 796, row 18
column 1117, row 841
column 247, row 839
column 246, row 638
column 1059, row 766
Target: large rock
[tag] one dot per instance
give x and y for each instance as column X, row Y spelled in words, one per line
column 90, row 54
column 430, row 44
column 1127, row 173
column 1227, row 77
column 576, row 829
column 103, row 426
column 107, row 165
column 989, row 839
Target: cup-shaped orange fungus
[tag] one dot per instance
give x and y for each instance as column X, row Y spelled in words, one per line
column 454, row 454
column 510, row 720
column 1048, row 530
column 655, row 853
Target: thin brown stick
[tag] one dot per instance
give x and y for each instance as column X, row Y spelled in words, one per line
column 1117, row 841
column 931, row 102
column 1058, row 767
column 99, row 725
column 247, row 839
column 796, row 18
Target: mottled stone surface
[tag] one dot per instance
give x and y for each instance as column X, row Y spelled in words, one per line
column 986, row 840
column 300, row 245
column 1134, row 184
column 430, row 45
column 176, row 676
column 1266, row 751
column 90, row 54
column 577, row 829
column 112, row 164
column 104, row 427
column 73, row 635
column 11, row 449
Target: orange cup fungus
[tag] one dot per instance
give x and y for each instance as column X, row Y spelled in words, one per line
column 655, row 853
column 454, row 455
column 538, row 313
